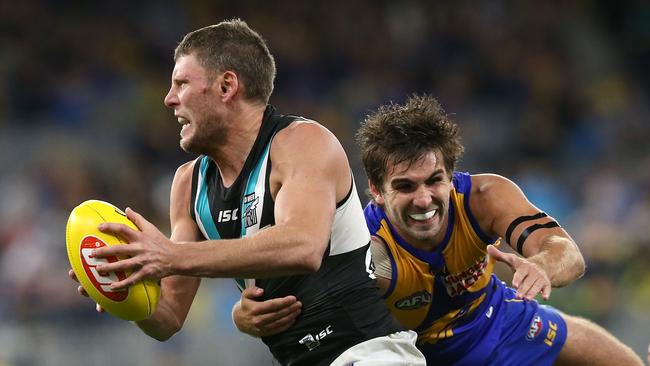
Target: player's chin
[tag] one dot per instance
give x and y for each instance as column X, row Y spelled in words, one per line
column 423, row 232
column 183, row 145
column 189, row 146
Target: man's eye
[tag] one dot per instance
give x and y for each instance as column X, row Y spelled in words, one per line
column 403, row 187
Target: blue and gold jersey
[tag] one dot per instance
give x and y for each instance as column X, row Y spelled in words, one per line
column 463, row 313
column 437, row 293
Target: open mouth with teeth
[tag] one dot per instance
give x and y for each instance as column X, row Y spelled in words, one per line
column 184, row 123
column 423, row 216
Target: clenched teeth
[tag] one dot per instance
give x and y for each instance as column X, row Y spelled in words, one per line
column 423, row 216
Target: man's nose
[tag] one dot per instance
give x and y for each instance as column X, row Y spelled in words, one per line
column 171, row 99
column 422, row 197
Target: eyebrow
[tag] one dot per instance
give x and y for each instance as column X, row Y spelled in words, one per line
column 407, row 180
column 178, row 79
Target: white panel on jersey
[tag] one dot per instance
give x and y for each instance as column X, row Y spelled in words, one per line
column 349, row 230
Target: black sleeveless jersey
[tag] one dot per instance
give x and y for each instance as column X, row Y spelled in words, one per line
column 341, row 304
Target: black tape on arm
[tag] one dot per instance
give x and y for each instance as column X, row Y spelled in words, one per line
column 529, row 230
column 519, row 220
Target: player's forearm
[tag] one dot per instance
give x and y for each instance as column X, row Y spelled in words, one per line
column 276, row 251
column 162, row 324
column 561, row 259
column 176, row 296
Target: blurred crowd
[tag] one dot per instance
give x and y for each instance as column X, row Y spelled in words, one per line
column 554, row 95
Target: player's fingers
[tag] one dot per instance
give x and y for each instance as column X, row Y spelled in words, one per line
column 546, row 291
column 279, row 325
column 121, row 285
column 125, row 283
column 252, row 292
column 72, row 275
column 524, row 285
column 137, row 219
column 82, row 291
column 269, row 309
column 276, row 305
column 519, row 276
column 123, row 252
column 532, row 289
column 120, row 230
column 292, row 310
column 119, row 266
column 99, row 308
column 511, row 260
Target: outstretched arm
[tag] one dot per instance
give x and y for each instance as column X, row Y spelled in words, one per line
column 551, row 257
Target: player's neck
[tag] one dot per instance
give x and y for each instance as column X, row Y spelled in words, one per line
column 243, row 128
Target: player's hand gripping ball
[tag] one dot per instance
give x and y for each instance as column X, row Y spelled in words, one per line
column 139, row 301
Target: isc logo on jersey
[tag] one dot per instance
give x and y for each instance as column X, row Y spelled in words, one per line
column 227, row 215
column 311, row 341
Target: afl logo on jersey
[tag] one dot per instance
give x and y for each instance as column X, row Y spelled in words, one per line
column 535, row 328
column 414, row 301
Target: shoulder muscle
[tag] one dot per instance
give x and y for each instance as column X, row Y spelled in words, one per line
column 306, row 147
column 496, row 201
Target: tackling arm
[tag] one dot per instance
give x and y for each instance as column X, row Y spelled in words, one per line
column 266, row 318
column 552, row 257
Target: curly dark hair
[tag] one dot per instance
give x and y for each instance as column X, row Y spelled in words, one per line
column 233, row 46
column 405, row 133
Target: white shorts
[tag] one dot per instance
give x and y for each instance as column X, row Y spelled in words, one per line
column 397, row 349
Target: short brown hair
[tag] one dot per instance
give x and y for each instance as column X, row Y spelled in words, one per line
column 233, row 46
column 405, row 133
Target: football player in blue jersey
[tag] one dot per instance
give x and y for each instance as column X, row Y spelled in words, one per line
column 436, row 234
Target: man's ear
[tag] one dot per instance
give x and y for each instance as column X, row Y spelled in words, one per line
column 228, row 84
column 376, row 194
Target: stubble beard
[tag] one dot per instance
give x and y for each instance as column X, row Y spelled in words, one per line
column 204, row 141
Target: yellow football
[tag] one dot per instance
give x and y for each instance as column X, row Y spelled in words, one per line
column 139, row 301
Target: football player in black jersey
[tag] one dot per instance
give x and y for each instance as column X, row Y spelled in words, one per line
column 270, row 199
